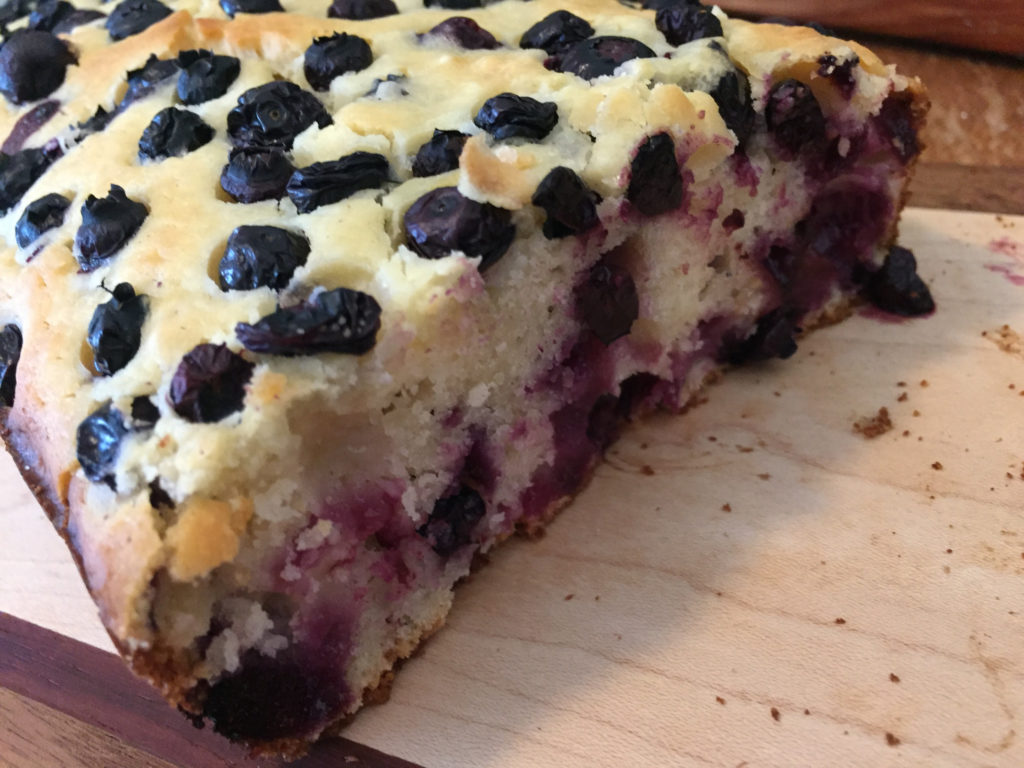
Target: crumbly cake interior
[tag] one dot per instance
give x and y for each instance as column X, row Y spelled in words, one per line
column 724, row 192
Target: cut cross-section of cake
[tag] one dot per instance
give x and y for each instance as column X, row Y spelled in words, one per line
column 300, row 313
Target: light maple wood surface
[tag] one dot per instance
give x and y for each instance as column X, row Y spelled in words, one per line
column 870, row 593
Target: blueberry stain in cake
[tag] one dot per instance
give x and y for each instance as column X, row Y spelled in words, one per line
column 273, row 114
column 556, row 33
column 98, row 443
column 133, row 16
column 897, row 288
column 145, row 412
column 443, row 221
column 205, row 75
column 683, row 23
column 174, row 132
column 361, row 9
column 599, row 56
column 570, row 205
column 209, row 384
column 261, row 256
column 794, row 117
column 39, row 217
column 33, row 65
column 145, row 80
column 509, row 116
column 440, row 154
column 20, row 171
column 732, row 95
column 108, row 223
column 607, row 302
column 10, row 354
column 465, row 33
column 454, row 5
column 342, row 320
column 115, row 331
column 334, row 56
column 655, row 183
column 256, row 173
column 452, row 521
column 232, row 7
column 329, row 182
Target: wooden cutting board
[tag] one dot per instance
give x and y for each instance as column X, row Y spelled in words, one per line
column 755, row 583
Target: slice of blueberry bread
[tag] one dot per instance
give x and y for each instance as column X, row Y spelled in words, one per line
column 304, row 305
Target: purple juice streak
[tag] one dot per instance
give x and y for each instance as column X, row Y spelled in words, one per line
column 745, row 172
column 28, row 124
column 367, row 509
column 1009, row 271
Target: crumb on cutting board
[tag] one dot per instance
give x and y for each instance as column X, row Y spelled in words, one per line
column 874, row 426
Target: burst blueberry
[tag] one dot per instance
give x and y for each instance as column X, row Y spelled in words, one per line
column 774, row 336
column 443, row 221
column 33, row 64
column 274, row 114
column 10, row 354
column 258, row 256
column 897, row 287
column 20, row 171
column 108, row 223
column 570, row 205
column 133, row 16
column 115, row 331
column 452, row 521
column 231, row 7
column 98, row 443
column 144, row 80
column 556, row 32
column 607, row 302
column 256, row 173
column 205, row 75
column 440, row 154
column 145, row 412
column 508, row 116
column 331, row 57
column 174, row 132
column 840, row 73
column 209, row 384
column 599, row 56
column 655, row 184
column 465, row 33
column 361, row 9
column 794, row 117
column 682, row 23
column 40, row 216
column 325, row 183
column 732, row 95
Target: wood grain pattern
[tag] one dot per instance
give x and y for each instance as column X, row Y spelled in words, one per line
column 977, row 188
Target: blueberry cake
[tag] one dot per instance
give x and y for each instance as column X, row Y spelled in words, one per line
column 304, row 305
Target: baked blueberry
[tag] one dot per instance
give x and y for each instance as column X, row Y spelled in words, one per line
column 231, row 7
column 465, row 33
column 77, row 18
column 331, row 57
column 115, row 331
column 897, row 287
column 361, row 9
column 454, row 5
column 20, row 171
column 209, row 384
column 443, row 221
column 258, row 256
column 897, row 122
column 174, row 132
column 598, row 56
column 571, row 206
column 452, row 520
column 49, row 13
column 98, row 122
column 508, row 116
column 10, row 353
column 274, row 114
column 205, row 75
column 683, row 23
column 732, row 95
column 840, row 73
column 108, row 223
column 793, row 116
column 98, row 443
column 440, row 154
column 32, row 65
column 145, row 413
column 12, row 10
column 607, row 302
column 40, row 216
column 556, row 32
column 256, row 173
column 30, row 122
column 326, row 183
column 144, row 80
column 774, row 336
column 133, row 16
column 655, row 185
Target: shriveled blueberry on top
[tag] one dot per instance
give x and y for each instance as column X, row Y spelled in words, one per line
column 344, row 321
column 452, row 520
column 98, row 443
column 32, row 65
column 174, row 132
column 133, row 16
column 12, row 10
column 655, row 185
column 40, row 216
column 256, row 173
column 274, row 114
column 602, row 55
column 144, row 80
column 231, row 7
column 685, row 23
column 361, row 9
column 508, row 116
column 258, row 256
column 331, row 57
column 205, row 75
column 607, row 302
column 556, row 32
column 453, row 5
column 108, row 223
column 571, row 206
column 794, row 116
column 732, row 95
column 440, row 154
column 99, row 121
column 325, row 183
column 209, row 384
column 465, row 33
column 145, row 413
column 897, row 287
column 10, row 354
column 443, row 221
column 20, row 171
column 115, row 331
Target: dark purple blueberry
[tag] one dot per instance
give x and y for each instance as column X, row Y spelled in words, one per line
column 454, row 5
column 77, row 18
column 107, row 224
column 20, row 171
column 897, row 287
column 98, row 122
column 144, row 80
column 361, row 9
column 28, row 124
column 345, row 321
column 133, row 16
column 331, row 57
column 657, row 5
column 735, row 220
column 258, row 256
column 49, row 13
column 840, row 73
column 686, row 23
column 12, row 10
column 598, row 56
column 256, row 173
column 451, row 522
column 205, row 75
column 443, row 221
column 655, row 185
column 32, row 65
column 556, row 32
column 10, row 353
column 40, row 216
column 274, row 114
column 174, row 132
column 571, row 206
column 98, row 443
column 440, row 154
column 231, row 7
column 145, row 413
column 773, row 336
column 794, row 116
column 897, row 122
column 508, row 116
column 465, row 33
column 325, row 183
column 209, row 384
column 846, row 220
column 115, row 331
column 607, row 302
column 732, row 95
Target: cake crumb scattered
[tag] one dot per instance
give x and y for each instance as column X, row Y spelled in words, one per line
column 891, row 739
column 903, row 397
column 924, row 382
column 916, row 412
column 949, row 551
column 945, row 569
column 720, row 700
column 874, row 426
column 744, row 448
column 647, row 469
column 937, row 465
column 727, row 507
column 906, row 433
column 570, row 596
column 775, row 714
column 807, row 711
column 1006, row 339
column 840, row 621
column 893, row 677
column 901, row 383
column 765, row 476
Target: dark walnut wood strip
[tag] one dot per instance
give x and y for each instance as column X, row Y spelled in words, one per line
column 95, row 688
column 968, row 188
